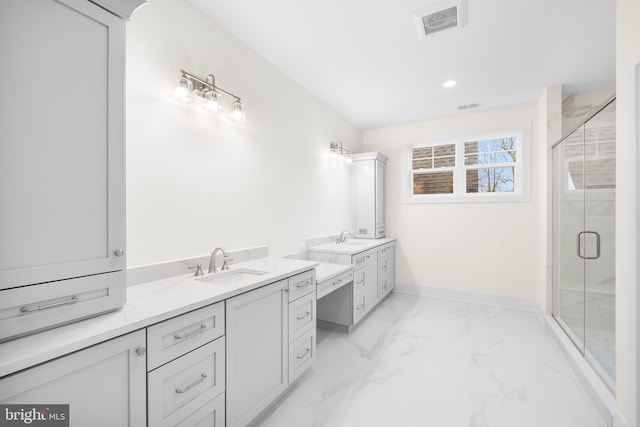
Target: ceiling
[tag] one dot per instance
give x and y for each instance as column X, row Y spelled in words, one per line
column 364, row 57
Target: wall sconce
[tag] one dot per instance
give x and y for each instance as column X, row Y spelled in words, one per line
column 189, row 85
column 337, row 151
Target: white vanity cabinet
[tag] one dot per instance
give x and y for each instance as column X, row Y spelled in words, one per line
column 104, row 385
column 368, row 174
column 302, row 323
column 257, row 351
column 386, row 269
column 365, row 283
column 186, row 361
column 62, row 164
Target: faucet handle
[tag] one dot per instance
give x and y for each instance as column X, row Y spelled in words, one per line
column 225, row 262
column 198, row 268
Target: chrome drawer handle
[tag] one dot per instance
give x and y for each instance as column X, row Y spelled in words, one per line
column 302, row 316
column 74, row 299
column 304, row 285
column 200, row 330
column 303, row 355
column 337, row 281
column 360, row 307
column 192, row 385
column 359, row 281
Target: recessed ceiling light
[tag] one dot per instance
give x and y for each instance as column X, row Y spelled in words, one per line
column 449, row 83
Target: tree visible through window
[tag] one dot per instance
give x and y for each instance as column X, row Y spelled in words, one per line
column 490, row 165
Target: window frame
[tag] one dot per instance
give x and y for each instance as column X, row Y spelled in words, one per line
column 522, row 181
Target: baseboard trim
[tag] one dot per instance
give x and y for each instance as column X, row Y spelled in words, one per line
column 524, row 304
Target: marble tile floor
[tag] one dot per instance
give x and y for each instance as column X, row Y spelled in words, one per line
column 422, row 362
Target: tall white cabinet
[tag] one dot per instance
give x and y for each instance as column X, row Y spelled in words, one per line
column 369, row 171
column 62, row 179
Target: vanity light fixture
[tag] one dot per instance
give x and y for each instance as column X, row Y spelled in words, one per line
column 337, row 151
column 188, row 86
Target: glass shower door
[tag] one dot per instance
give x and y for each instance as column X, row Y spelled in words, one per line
column 568, row 222
column 584, row 239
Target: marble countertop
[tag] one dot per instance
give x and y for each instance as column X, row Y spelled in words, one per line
column 351, row 246
column 146, row 304
column 326, row 271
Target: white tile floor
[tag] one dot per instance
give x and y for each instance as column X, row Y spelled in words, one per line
column 420, row 361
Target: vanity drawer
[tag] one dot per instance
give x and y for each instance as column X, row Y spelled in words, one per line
column 384, row 285
column 179, row 388
column 384, row 265
column 302, row 284
column 358, row 282
column 210, row 415
column 359, row 307
column 174, row 337
column 302, row 316
column 302, row 353
column 30, row 308
column 327, row 286
column 359, row 260
column 385, row 250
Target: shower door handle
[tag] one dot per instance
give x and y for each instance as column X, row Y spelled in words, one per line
column 579, row 244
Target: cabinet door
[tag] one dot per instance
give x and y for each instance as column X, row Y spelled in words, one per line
column 104, row 385
column 62, row 133
column 257, row 351
column 364, row 198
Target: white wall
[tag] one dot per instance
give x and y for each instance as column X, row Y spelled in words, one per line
column 196, row 182
column 487, row 247
column 627, row 213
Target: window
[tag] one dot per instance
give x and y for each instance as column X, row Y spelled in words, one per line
column 483, row 167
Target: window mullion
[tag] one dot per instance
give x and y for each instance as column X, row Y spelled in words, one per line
column 459, row 170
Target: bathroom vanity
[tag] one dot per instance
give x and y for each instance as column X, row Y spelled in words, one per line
column 180, row 352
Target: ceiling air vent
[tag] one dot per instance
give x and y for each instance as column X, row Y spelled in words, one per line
column 439, row 16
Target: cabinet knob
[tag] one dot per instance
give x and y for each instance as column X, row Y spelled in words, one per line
column 118, row 252
column 141, row 351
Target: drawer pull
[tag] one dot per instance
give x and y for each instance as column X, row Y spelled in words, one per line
column 303, row 284
column 337, row 282
column 360, row 307
column 305, row 314
column 360, row 260
column 74, row 299
column 200, row 330
column 304, row 354
column 359, row 281
column 192, row 385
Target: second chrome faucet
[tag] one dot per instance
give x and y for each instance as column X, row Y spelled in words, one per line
column 225, row 260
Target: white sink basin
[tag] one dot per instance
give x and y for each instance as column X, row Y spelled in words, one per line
column 231, row 277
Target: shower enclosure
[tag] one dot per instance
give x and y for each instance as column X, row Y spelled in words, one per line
column 584, row 194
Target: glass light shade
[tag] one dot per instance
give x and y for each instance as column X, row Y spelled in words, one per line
column 183, row 90
column 211, row 103
column 347, row 159
column 333, row 154
column 237, row 114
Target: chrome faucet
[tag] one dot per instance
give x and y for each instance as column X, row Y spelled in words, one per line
column 343, row 236
column 225, row 259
